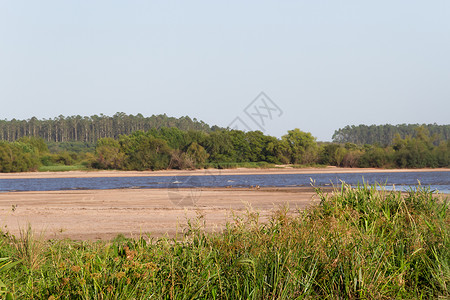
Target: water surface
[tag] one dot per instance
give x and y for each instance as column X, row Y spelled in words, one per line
column 402, row 180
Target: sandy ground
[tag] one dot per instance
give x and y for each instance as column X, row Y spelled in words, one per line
column 103, row 214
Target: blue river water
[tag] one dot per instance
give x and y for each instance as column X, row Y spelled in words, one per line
column 439, row 181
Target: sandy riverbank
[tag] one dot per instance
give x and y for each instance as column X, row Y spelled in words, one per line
column 199, row 172
column 103, row 214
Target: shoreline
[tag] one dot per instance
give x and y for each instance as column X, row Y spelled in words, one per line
column 203, row 172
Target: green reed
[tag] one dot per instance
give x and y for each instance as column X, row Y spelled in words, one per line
column 359, row 243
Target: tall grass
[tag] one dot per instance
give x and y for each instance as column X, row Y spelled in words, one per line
column 235, row 165
column 359, row 243
column 62, row 168
column 28, row 248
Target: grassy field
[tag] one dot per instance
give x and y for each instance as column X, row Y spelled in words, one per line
column 358, row 244
column 62, row 168
column 234, row 165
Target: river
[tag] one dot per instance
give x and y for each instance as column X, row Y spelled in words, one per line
column 439, row 181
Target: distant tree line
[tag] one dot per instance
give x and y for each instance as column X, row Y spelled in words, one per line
column 419, row 151
column 90, row 129
column 165, row 148
column 384, row 134
column 173, row 148
column 177, row 149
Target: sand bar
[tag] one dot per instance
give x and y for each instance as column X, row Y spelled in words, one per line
column 200, row 172
column 103, row 214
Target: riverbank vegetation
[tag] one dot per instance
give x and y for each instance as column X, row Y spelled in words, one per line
column 193, row 144
column 360, row 243
column 385, row 134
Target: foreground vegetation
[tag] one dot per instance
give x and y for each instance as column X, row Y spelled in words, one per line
column 358, row 243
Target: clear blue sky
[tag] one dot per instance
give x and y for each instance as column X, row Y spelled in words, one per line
column 326, row 64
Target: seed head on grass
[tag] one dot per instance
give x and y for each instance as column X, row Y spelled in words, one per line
column 29, row 248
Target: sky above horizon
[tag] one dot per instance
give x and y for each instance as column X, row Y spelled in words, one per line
column 322, row 64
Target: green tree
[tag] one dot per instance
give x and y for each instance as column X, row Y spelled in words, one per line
column 442, row 154
column 38, row 143
column 240, row 145
column 198, row 154
column 257, row 146
column 219, row 145
column 109, row 154
column 145, row 152
column 6, row 157
column 385, row 134
column 304, row 149
column 327, row 154
column 415, row 152
column 339, row 156
column 376, row 157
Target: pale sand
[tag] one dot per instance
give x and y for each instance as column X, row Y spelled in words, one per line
column 199, row 172
column 103, row 214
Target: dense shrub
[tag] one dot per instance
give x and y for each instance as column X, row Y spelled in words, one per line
column 145, row 152
column 18, row 157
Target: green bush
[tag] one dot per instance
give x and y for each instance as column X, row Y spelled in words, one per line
column 144, row 152
column 18, row 157
column 63, row 158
